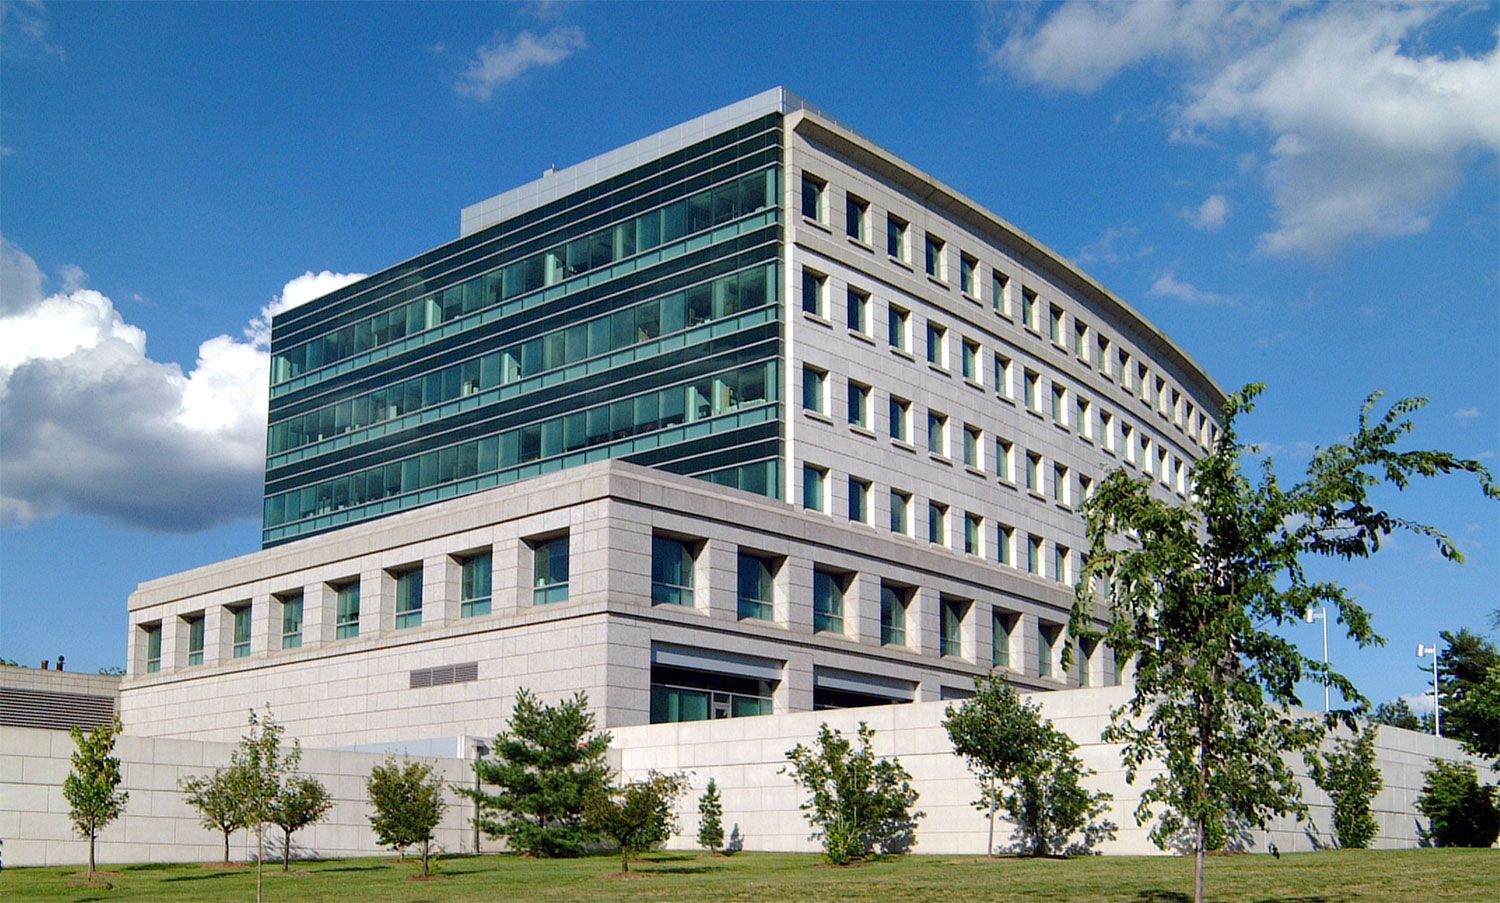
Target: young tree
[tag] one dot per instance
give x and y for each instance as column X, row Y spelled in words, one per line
column 408, row 801
column 258, row 767
column 711, row 818
column 545, row 766
column 859, row 802
column 1462, row 811
column 1350, row 777
column 214, row 798
column 90, row 788
column 637, row 816
column 302, row 801
column 1027, row 766
column 1397, row 713
column 1469, row 681
column 1195, row 592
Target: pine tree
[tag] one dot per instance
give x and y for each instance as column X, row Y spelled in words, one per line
column 710, row 819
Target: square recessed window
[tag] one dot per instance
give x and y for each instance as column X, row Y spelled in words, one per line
column 828, row 601
column 1029, row 305
column 937, row 433
column 900, row 512
column 894, row 600
column 474, row 584
column 1060, row 485
column 814, row 390
column 814, row 487
column 408, row 598
column 896, row 230
column 757, row 581
column 1033, row 386
column 151, row 640
column 1034, row 555
column 1034, row 471
column 857, row 310
column 1060, row 562
column 1002, row 625
column 859, row 500
column 857, row 218
column 1004, row 460
column 950, row 637
column 195, row 638
column 1002, row 376
column 1005, row 545
column 240, row 616
column 898, row 328
column 1104, row 358
column 937, row 523
column 973, row 442
column 1082, row 421
column 968, row 265
column 346, row 616
column 1059, row 405
column 1000, row 293
column 671, row 571
column 814, row 290
column 934, row 257
column 970, row 362
column 291, row 620
column 1055, row 324
column 937, row 345
column 1047, row 636
column 1080, row 340
column 900, row 419
column 973, row 531
column 859, row 405
column 812, row 198
column 549, row 571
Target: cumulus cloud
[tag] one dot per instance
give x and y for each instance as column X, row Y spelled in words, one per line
column 1364, row 133
column 1210, row 214
column 503, row 60
column 95, row 426
column 1118, row 243
column 1169, row 286
column 1466, row 413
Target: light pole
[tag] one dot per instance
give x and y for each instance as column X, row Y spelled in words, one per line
column 1437, row 701
column 1310, row 616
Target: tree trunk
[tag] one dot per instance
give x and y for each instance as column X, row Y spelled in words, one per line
column 286, row 850
column 260, row 858
column 92, row 835
column 624, row 858
column 227, row 832
column 989, row 850
column 426, row 845
column 1198, row 866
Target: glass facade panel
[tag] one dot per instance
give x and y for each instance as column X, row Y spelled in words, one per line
column 900, row 512
column 680, row 694
column 951, row 637
column 241, row 648
column 813, row 480
column 671, row 572
column 195, row 627
column 550, row 571
column 153, row 648
column 1001, row 625
column 859, row 500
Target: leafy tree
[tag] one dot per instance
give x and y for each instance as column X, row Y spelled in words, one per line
column 1469, row 684
column 859, row 802
column 1195, row 592
column 408, row 801
column 302, row 801
column 259, row 767
column 1397, row 713
column 112, row 670
column 637, row 816
column 711, row 818
column 545, row 766
column 1028, row 766
column 214, row 798
column 1463, row 812
column 90, row 788
column 1350, row 777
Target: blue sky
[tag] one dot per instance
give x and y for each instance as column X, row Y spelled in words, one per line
column 1304, row 195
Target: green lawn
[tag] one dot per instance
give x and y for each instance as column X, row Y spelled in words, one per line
column 1328, row 877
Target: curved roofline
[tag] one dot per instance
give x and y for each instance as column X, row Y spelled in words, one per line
column 808, row 121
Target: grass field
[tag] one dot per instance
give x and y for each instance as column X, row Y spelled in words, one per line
column 1327, row 877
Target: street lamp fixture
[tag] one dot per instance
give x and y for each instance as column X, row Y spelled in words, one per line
column 1437, row 702
column 1322, row 615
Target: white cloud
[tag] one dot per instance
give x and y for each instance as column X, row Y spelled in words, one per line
column 1466, row 413
column 28, row 18
column 1419, row 703
column 1169, row 286
column 95, row 426
column 1210, row 214
column 506, row 60
column 1365, row 135
column 1116, row 244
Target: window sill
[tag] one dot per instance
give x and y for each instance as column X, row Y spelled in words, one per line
column 973, row 385
column 863, row 337
column 904, row 445
column 904, row 354
column 862, row 431
column 939, row 368
column 817, row 318
column 901, row 263
column 1009, row 484
column 819, row 416
column 861, row 244
column 816, row 224
column 1035, row 413
column 967, row 296
column 976, row 471
column 940, row 458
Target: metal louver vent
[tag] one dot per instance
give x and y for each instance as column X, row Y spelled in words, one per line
column 444, row 674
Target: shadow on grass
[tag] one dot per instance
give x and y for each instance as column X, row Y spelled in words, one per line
column 202, row 876
column 355, row 868
column 1315, row 898
column 680, row 870
column 151, row 867
column 1162, row 896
